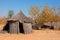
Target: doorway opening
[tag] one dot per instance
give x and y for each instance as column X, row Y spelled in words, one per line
column 6, row 27
column 21, row 30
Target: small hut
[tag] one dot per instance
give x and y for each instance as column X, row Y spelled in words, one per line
column 13, row 26
column 19, row 23
column 57, row 25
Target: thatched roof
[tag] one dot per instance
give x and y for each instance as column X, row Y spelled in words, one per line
column 21, row 17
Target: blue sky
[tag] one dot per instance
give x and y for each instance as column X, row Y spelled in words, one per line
column 24, row 5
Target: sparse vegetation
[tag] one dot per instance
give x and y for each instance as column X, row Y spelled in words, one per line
column 10, row 13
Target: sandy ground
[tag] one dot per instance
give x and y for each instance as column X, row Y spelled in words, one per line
column 35, row 35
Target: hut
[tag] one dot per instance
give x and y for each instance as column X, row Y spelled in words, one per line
column 19, row 23
column 53, row 25
column 49, row 25
column 57, row 25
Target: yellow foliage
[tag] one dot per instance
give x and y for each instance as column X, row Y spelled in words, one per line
column 34, row 10
column 46, row 16
column 3, row 20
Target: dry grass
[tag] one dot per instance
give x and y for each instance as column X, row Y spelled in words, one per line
column 35, row 35
column 2, row 22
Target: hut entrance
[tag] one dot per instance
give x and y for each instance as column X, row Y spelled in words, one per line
column 6, row 28
column 12, row 27
column 21, row 28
